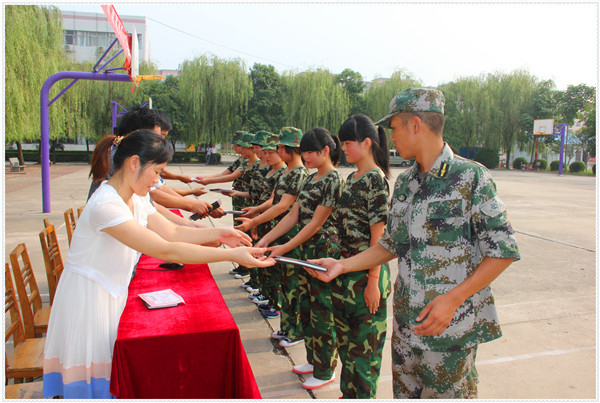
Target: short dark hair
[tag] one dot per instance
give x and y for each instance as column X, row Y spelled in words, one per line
column 143, row 118
column 435, row 121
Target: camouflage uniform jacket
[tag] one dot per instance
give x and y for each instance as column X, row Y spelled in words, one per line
column 242, row 183
column 323, row 192
column 234, row 165
column 441, row 225
column 363, row 203
column 289, row 183
column 262, row 185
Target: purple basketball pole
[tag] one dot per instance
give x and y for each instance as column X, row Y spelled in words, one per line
column 561, row 131
column 45, row 132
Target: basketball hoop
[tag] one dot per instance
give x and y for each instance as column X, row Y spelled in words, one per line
column 135, row 63
column 543, row 127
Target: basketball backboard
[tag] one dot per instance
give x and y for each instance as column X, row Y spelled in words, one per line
column 543, row 126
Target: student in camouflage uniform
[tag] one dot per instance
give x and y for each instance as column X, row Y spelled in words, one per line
column 359, row 298
column 285, row 193
column 257, row 178
column 315, row 214
column 452, row 237
column 232, row 173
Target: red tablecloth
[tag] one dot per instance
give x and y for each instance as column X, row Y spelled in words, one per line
column 190, row 351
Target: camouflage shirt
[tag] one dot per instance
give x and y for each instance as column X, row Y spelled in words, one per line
column 441, row 225
column 234, row 165
column 323, row 192
column 289, row 183
column 363, row 203
column 242, row 183
column 261, row 186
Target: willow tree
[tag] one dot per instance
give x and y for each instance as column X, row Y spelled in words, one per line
column 379, row 94
column 314, row 99
column 215, row 93
column 33, row 52
column 511, row 96
column 467, row 110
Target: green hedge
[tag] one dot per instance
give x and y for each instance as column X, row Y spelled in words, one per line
column 518, row 162
column 543, row 163
column 84, row 156
column 554, row 165
column 577, row 166
column 488, row 157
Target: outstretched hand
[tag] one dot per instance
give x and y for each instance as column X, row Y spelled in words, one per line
column 234, row 238
column 245, row 225
column 334, row 269
column 252, row 257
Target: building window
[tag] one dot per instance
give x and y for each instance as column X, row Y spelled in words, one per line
column 68, row 37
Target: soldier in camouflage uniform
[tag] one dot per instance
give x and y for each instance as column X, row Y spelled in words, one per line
column 257, row 177
column 282, row 276
column 359, row 298
column 230, row 173
column 314, row 213
column 452, row 237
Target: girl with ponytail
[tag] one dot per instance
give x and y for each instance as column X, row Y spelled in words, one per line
column 359, row 298
column 117, row 223
column 314, row 211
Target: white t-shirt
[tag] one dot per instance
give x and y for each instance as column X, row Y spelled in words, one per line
column 97, row 255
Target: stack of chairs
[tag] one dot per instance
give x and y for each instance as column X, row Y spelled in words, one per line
column 28, row 317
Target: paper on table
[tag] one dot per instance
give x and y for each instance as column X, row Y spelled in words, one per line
column 161, row 299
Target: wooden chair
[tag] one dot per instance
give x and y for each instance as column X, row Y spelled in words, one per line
column 71, row 223
column 29, row 390
column 35, row 317
column 46, row 223
column 80, row 210
column 52, row 258
column 27, row 357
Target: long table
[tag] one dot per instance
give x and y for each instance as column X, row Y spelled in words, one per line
column 191, row 351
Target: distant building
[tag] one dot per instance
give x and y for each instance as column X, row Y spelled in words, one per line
column 377, row 80
column 168, row 72
column 88, row 35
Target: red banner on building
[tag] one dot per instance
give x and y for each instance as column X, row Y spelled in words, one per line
column 122, row 35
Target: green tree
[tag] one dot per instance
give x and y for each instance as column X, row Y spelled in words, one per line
column 33, row 52
column 352, row 82
column 573, row 101
column 510, row 94
column 467, row 110
column 379, row 94
column 215, row 94
column 314, row 99
column 265, row 110
column 588, row 132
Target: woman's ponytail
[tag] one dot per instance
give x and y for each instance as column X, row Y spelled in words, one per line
column 381, row 154
column 101, row 158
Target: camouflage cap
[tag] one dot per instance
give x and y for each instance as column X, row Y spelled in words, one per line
column 270, row 142
column 290, row 136
column 236, row 137
column 259, row 138
column 416, row 100
column 246, row 140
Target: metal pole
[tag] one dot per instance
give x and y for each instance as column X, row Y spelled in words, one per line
column 44, row 128
column 114, row 116
column 562, row 150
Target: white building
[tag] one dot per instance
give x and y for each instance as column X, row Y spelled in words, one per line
column 85, row 33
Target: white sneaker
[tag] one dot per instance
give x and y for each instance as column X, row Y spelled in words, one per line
column 315, row 383
column 278, row 335
column 286, row 342
column 253, row 295
column 303, row 369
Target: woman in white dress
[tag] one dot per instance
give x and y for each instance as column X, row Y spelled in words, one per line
column 117, row 224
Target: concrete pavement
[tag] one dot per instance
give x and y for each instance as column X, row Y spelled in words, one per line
column 546, row 301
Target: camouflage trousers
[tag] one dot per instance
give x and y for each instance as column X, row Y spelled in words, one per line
column 360, row 334
column 316, row 314
column 267, row 279
column 288, row 285
column 432, row 374
column 239, row 203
